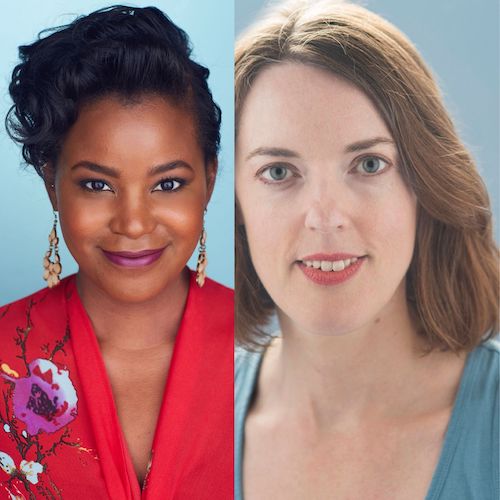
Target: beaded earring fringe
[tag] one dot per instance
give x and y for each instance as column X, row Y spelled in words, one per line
column 52, row 268
column 201, row 266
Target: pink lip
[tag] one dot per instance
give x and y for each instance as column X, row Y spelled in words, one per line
column 332, row 277
column 330, row 256
column 134, row 259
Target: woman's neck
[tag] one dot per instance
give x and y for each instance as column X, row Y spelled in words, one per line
column 135, row 326
column 377, row 371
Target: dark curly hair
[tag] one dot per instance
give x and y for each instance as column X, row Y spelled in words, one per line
column 119, row 50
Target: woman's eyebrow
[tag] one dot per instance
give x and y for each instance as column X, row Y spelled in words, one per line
column 111, row 172
column 165, row 167
column 367, row 144
column 288, row 153
column 95, row 167
column 267, row 151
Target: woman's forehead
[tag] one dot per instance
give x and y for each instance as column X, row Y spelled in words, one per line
column 149, row 132
column 152, row 120
column 294, row 103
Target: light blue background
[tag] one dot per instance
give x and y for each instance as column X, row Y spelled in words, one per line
column 459, row 40
column 25, row 212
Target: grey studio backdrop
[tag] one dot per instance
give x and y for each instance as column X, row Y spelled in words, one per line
column 459, row 40
column 25, row 212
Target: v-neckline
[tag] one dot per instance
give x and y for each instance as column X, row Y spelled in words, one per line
column 448, row 447
column 102, row 406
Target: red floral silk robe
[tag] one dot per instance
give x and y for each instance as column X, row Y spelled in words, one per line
column 59, row 431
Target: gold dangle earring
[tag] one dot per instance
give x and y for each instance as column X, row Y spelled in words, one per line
column 201, row 266
column 52, row 269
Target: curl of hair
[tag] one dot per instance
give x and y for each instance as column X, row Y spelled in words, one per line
column 452, row 283
column 122, row 51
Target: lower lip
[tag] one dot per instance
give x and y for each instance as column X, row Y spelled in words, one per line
column 331, row 277
column 143, row 261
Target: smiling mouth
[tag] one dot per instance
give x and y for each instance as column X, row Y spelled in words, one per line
column 330, row 269
column 334, row 262
column 134, row 259
column 329, row 265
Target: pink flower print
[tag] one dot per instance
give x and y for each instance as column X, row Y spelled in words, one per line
column 45, row 400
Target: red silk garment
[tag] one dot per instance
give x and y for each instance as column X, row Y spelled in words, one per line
column 59, row 430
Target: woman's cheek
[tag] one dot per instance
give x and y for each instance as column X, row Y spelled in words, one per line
column 83, row 218
column 267, row 233
column 184, row 211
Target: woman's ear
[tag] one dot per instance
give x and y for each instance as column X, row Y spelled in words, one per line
column 49, row 179
column 211, row 172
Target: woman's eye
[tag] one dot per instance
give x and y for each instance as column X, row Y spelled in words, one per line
column 276, row 173
column 96, row 185
column 371, row 165
column 168, row 185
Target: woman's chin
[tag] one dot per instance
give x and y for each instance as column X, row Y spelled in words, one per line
column 129, row 288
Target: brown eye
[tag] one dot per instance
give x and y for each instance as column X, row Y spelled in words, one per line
column 168, row 185
column 96, row 185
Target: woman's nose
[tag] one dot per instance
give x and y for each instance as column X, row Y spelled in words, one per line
column 326, row 211
column 133, row 217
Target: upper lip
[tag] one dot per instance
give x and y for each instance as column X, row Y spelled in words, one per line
column 330, row 256
column 134, row 255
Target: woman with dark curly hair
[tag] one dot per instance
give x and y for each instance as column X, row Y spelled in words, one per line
column 117, row 381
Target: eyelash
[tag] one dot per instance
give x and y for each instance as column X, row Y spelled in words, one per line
column 266, row 169
column 357, row 161
column 366, row 157
column 84, row 183
column 180, row 183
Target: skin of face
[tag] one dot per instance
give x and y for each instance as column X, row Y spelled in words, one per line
column 151, row 193
column 321, row 198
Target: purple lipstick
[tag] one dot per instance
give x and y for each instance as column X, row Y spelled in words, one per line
column 134, row 259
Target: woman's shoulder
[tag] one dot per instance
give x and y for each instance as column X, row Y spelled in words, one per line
column 42, row 298
column 245, row 361
column 483, row 374
column 214, row 302
column 471, row 455
column 485, row 358
column 42, row 316
column 218, row 290
column 491, row 346
column 20, row 304
column 478, row 394
column 246, row 368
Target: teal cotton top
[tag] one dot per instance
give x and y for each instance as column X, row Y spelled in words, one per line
column 468, row 467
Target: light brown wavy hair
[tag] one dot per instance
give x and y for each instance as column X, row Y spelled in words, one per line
column 452, row 283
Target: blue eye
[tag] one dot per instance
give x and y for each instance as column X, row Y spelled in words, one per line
column 276, row 173
column 168, row 185
column 96, row 185
column 371, row 165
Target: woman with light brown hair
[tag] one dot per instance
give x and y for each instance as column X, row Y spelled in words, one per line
column 362, row 223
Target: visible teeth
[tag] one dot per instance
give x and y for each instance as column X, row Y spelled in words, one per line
column 338, row 265
column 328, row 265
